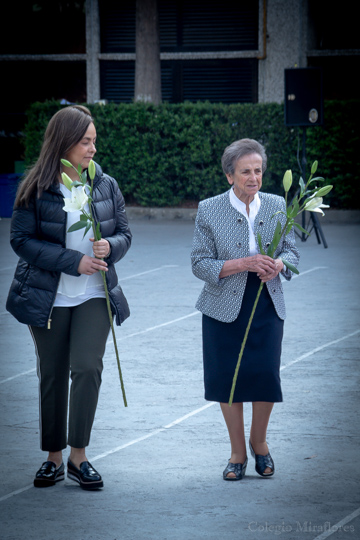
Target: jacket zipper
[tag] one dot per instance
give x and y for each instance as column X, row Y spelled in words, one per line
column 52, row 306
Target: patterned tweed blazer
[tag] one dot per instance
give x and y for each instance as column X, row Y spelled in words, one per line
column 221, row 234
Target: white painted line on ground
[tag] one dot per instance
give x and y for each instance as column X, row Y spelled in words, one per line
column 339, row 526
column 176, row 266
column 151, row 328
column 310, row 353
column 18, row 375
column 120, row 279
column 196, row 411
column 283, row 280
column 152, row 433
column 302, row 357
column 17, row 492
column 126, row 445
column 149, row 271
column 192, row 413
column 6, row 268
column 120, row 339
column 308, row 271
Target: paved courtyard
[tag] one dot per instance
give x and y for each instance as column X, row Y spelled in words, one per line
column 162, row 457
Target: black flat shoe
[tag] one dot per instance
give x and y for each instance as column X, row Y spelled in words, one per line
column 261, row 462
column 86, row 476
column 238, row 469
column 48, row 474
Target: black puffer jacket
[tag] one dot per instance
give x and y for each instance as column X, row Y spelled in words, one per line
column 38, row 235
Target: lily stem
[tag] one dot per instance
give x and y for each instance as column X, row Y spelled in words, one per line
column 243, row 344
column 114, row 337
column 97, row 236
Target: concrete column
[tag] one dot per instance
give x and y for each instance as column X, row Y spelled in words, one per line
column 92, row 51
column 285, row 46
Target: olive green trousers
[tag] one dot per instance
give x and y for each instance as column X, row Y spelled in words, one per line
column 74, row 346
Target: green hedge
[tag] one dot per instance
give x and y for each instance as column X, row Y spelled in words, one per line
column 169, row 154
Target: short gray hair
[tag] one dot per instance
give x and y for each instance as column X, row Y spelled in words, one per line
column 237, row 150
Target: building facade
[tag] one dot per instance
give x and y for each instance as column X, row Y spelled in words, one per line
column 229, row 52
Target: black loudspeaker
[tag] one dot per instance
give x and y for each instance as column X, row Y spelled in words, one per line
column 303, row 97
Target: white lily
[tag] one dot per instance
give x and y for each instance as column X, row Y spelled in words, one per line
column 78, row 199
column 314, row 204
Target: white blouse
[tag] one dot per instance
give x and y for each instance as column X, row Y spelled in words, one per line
column 254, row 207
column 74, row 290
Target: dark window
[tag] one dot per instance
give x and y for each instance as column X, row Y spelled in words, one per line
column 117, row 81
column 334, row 25
column 43, row 27
column 185, row 25
column 333, row 85
column 226, row 81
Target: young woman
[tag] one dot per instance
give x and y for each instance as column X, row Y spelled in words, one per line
column 58, row 290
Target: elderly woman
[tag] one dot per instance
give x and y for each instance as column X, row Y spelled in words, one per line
column 226, row 256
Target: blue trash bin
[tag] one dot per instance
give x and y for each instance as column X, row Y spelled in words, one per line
column 8, row 187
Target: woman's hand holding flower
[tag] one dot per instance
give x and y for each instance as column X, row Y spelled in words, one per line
column 271, row 274
column 90, row 265
column 261, row 264
column 101, row 248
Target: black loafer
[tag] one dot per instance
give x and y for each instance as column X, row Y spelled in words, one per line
column 86, row 476
column 48, row 474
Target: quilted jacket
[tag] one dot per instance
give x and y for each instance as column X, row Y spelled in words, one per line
column 221, row 234
column 38, row 234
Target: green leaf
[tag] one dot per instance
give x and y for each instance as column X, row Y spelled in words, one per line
column 260, row 245
column 84, row 178
column 77, row 183
column 83, row 217
column 301, row 228
column 278, row 212
column 88, row 227
column 289, row 227
column 294, row 210
column 275, row 241
column 290, row 266
column 76, row 226
column 79, row 169
column 277, row 234
column 317, row 179
column 302, row 186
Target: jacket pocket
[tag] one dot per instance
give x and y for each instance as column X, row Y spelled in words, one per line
column 213, row 289
column 22, row 278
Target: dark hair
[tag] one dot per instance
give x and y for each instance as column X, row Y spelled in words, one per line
column 66, row 128
column 237, row 150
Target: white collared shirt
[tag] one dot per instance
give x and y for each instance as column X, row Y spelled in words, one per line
column 254, row 207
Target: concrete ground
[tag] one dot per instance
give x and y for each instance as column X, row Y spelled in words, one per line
column 162, row 457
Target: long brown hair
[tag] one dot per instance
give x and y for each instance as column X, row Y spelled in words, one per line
column 66, row 128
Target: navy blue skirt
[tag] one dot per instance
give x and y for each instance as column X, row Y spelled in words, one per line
column 259, row 374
